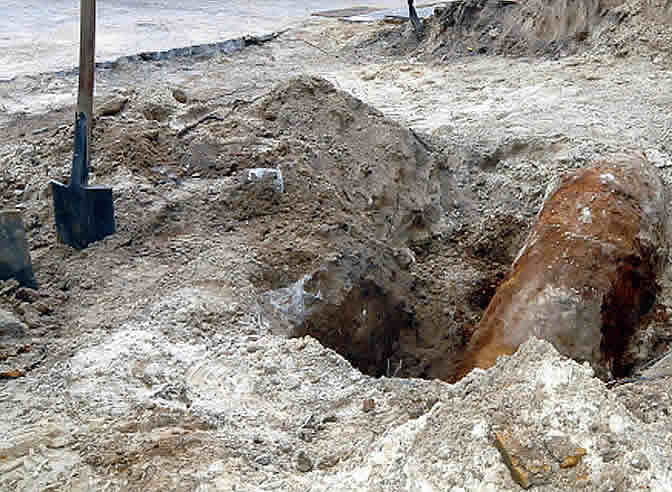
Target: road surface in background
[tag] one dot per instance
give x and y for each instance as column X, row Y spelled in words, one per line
column 43, row 35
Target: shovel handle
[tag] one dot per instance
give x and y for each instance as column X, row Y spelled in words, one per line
column 87, row 51
column 84, row 116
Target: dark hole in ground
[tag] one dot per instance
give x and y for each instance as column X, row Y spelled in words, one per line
column 365, row 328
column 384, row 320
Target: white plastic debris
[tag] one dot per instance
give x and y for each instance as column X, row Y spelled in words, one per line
column 263, row 173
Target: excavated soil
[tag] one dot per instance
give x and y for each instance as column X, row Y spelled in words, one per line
column 537, row 28
column 173, row 355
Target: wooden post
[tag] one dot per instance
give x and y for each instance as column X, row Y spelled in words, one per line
column 87, row 54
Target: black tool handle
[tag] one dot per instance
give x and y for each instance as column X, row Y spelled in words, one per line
column 79, row 175
column 415, row 20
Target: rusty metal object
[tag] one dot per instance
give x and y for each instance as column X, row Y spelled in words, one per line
column 586, row 273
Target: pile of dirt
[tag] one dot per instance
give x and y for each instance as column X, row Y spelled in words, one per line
column 350, row 179
column 443, row 225
column 540, row 28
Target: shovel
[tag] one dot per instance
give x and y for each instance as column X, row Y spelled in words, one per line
column 84, row 214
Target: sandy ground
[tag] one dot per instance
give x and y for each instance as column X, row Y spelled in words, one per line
column 160, row 372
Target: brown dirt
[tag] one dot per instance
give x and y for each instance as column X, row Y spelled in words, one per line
column 354, row 181
column 184, row 176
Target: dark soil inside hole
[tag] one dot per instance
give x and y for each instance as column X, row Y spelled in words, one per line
column 365, row 329
column 394, row 319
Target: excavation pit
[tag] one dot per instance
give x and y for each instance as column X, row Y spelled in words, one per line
column 351, row 305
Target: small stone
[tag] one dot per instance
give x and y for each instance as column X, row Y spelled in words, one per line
column 10, row 325
column 262, row 175
column 616, row 424
column 607, row 449
column 527, row 465
column 368, row 405
column 369, row 76
column 573, row 460
column 155, row 112
column 59, row 442
column 180, row 96
column 610, row 455
column 43, row 308
column 328, row 462
column 112, row 106
column 640, row 461
column 303, row 462
column 405, row 258
column 263, row 460
column 27, row 294
column 30, row 315
column 285, row 446
column 306, row 435
column 9, row 286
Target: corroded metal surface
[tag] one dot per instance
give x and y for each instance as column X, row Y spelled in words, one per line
column 586, row 273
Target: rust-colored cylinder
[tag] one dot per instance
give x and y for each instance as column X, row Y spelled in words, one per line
column 586, row 273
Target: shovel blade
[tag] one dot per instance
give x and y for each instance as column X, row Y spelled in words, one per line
column 14, row 253
column 83, row 215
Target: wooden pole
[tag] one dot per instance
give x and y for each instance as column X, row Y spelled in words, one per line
column 87, row 53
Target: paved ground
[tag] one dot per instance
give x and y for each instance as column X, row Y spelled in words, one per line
column 42, row 35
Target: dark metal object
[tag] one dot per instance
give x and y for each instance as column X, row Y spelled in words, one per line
column 415, row 20
column 14, row 253
column 84, row 214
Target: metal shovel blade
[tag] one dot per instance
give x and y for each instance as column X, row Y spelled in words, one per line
column 84, row 214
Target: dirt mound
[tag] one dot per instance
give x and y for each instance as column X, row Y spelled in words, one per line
column 335, row 152
column 546, row 28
